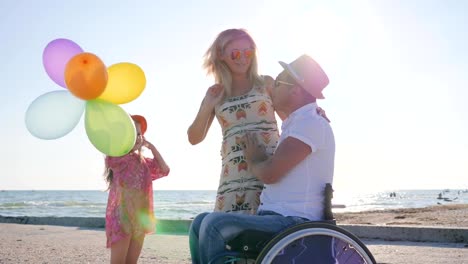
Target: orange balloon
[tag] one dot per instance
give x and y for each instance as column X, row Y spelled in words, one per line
column 86, row 76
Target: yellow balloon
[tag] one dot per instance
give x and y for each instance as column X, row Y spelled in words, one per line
column 126, row 81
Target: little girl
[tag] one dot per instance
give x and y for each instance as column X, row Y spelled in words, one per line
column 129, row 214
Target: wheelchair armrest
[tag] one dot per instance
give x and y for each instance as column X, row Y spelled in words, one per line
column 250, row 241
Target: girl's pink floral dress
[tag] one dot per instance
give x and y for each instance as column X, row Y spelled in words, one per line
column 130, row 203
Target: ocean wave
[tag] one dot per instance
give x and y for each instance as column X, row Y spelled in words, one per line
column 51, row 204
column 188, row 204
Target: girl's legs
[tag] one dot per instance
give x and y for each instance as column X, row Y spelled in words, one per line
column 134, row 249
column 119, row 250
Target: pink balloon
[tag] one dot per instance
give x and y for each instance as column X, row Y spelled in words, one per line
column 56, row 56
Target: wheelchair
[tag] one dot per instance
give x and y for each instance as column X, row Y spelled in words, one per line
column 320, row 242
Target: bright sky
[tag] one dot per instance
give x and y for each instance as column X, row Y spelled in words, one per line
column 397, row 95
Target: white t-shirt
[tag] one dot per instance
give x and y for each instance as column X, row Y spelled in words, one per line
column 301, row 191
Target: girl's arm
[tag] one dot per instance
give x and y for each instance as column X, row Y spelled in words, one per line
column 158, row 158
column 202, row 123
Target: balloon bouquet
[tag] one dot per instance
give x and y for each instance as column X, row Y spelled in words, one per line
column 93, row 89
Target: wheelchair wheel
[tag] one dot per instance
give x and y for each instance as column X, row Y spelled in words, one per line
column 315, row 243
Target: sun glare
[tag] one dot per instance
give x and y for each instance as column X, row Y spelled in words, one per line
column 321, row 34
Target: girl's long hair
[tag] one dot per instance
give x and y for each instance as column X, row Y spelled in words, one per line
column 220, row 71
column 108, row 176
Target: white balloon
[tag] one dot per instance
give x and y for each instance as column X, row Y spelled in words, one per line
column 54, row 114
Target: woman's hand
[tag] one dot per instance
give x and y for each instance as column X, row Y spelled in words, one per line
column 322, row 113
column 214, row 95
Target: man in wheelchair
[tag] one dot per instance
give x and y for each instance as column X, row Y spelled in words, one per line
column 295, row 176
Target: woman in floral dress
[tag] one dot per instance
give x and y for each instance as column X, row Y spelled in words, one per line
column 240, row 99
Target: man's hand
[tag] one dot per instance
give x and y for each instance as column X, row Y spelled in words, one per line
column 253, row 151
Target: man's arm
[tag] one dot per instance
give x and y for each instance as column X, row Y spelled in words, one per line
column 288, row 154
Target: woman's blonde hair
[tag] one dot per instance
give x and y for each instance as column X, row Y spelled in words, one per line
column 213, row 65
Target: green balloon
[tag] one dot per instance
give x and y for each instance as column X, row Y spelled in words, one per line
column 109, row 128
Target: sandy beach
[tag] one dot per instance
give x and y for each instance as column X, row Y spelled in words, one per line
column 455, row 215
column 24, row 243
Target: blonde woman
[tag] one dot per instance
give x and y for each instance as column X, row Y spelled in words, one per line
column 241, row 101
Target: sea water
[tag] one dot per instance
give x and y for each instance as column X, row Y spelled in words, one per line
column 187, row 204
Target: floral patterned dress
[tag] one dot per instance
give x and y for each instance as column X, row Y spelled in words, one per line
column 130, row 203
column 239, row 191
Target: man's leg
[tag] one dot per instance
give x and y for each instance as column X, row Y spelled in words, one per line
column 218, row 228
column 194, row 237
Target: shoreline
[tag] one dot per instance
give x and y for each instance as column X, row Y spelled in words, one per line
column 448, row 215
column 441, row 223
column 163, row 226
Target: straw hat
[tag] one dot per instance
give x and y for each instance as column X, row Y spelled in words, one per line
column 142, row 121
column 308, row 74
